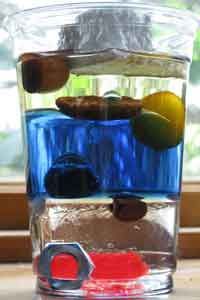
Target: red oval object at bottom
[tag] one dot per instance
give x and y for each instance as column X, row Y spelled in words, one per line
column 115, row 266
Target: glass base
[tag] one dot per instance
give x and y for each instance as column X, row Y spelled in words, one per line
column 150, row 285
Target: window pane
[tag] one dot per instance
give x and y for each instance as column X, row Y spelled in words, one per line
column 11, row 158
column 192, row 134
column 11, row 154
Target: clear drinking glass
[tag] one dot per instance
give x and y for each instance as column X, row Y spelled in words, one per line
column 102, row 91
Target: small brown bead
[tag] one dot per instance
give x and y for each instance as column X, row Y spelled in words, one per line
column 98, row 108
column 42, row 74
column 129, row 209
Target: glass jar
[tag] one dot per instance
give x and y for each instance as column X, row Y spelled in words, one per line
column 102, row 91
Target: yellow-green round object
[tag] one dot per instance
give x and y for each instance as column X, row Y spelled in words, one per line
column 155, row 131
column 168, row 105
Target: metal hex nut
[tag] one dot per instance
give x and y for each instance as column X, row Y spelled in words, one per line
column 85, row 265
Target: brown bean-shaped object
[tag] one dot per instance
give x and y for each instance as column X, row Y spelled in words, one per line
column 132, row 209
column 42, row 74
column 98, row 108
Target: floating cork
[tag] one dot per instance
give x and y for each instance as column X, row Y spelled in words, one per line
column 43, row 74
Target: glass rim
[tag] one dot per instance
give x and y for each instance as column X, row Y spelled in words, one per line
column 41, row 12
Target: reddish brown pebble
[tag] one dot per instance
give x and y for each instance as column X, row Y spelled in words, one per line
column 42, row 74
column 129, row 209
column 98, row 108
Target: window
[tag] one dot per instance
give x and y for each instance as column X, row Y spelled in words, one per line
column 13, row 209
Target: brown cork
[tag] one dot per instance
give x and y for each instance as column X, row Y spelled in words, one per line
column 43, row 74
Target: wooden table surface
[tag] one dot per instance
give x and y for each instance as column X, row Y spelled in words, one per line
column 18, row 283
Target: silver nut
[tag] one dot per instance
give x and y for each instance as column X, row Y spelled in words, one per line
column 85, row 265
